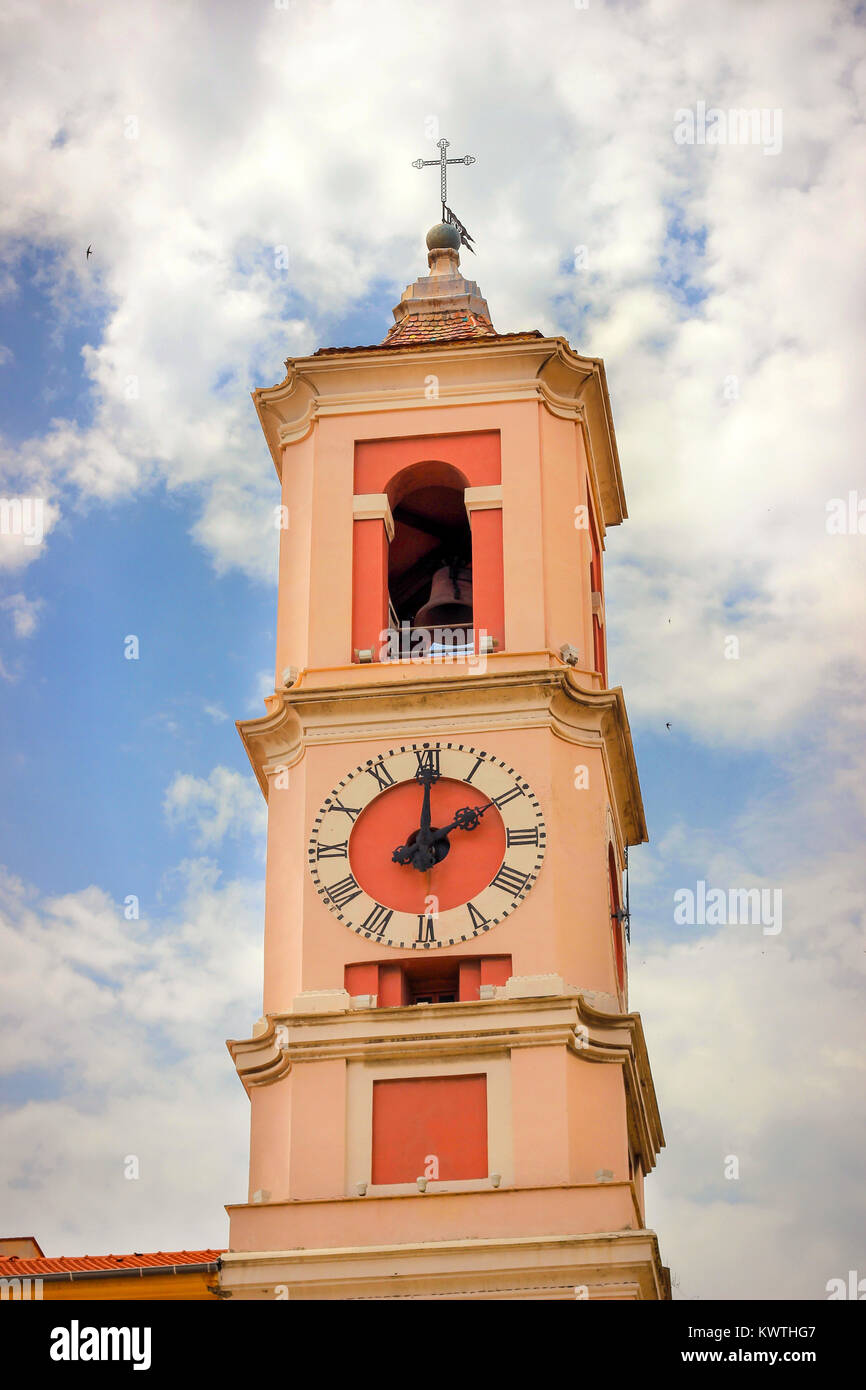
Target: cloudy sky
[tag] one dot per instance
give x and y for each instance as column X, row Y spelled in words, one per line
column 243, row 175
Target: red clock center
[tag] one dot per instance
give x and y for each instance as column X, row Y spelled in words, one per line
column 389, row 821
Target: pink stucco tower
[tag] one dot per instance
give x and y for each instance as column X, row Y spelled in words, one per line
column 449, row 1095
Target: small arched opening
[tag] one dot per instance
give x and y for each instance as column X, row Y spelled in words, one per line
column 430, row 560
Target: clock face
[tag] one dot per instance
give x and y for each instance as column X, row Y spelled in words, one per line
column 427, row 845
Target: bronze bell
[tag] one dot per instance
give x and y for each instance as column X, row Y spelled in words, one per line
column 450, row 601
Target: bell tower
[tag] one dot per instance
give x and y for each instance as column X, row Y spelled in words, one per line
column 449, row 1095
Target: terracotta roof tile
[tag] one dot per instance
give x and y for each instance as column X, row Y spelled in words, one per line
column 440, row 325
column 390, row 345
column 12, row 1266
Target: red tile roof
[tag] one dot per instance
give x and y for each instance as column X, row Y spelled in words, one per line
column 390, row 345
column 13, row 1266
column 440, row 325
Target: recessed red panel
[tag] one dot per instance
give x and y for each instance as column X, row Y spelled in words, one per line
column 475, row 454
column 496, row 970
column 420, row 1119
column 361, row 978
column 470, row 979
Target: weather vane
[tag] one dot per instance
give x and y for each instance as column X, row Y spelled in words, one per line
column 443, row 162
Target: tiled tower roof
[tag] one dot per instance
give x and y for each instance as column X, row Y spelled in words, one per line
column 440, row 325
column 441, row 306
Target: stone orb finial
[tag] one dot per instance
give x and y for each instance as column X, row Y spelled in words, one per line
column 443, row 237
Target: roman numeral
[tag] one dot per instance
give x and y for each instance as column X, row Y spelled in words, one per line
column 425, row 929
column 478, row 762
column 377, row 920
column 332, row 851
column 510, row 881
column 477, row 918
column 504, row 799
column 429, row 759
column 344, row 891
column 351, row 811
column 522, row 837
column 381, row 775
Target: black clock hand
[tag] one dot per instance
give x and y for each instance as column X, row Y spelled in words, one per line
column 419, row 854
column 424, row 827
column 467, row 818
column 404, row 854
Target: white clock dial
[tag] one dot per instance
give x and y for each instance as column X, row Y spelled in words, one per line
column 427, row 845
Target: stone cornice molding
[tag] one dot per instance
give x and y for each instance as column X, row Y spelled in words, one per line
column 469, row 372
column 386, row 707
column 615, row 731
column 260, row 1060
column 437, row 1031
column 238, row 1259
column 617, row 1265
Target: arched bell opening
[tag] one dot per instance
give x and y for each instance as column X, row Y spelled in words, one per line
column 430, row 562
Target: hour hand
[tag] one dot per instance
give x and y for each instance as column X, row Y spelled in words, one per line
column 404, row 854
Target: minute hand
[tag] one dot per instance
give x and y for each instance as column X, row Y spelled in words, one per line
column 426, row 816
column 466, row 818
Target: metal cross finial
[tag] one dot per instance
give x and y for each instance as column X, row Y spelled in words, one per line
column 442, row 161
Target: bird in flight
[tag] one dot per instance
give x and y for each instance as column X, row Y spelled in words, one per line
column 89, row 252
column 668, row 727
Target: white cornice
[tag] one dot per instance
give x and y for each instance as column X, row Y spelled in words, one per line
column 436, row 1031
column 469, row 372
column 614, row 1265
column 320, row 708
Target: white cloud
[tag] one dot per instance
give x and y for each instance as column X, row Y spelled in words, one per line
column 128, row 1047
column 25, row 613
column 263, row 686
column 727, row 484
column 225, row 803
column 727, row 496
column 754, row 1041
column 28, row 511
column 756, row 1049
